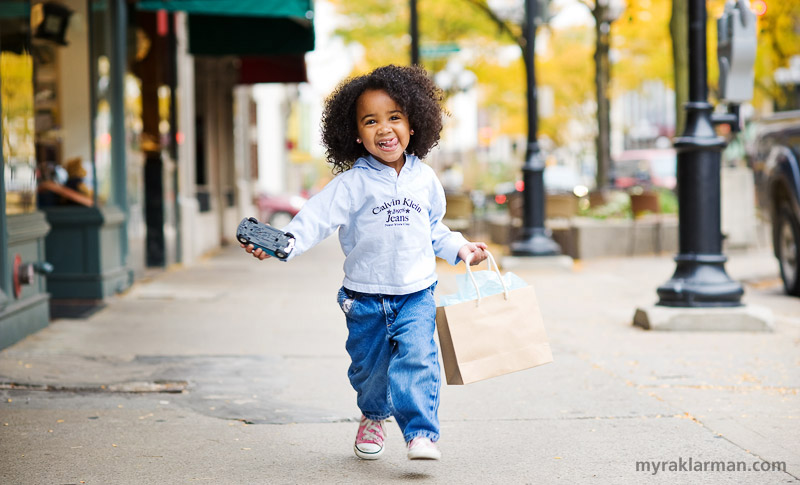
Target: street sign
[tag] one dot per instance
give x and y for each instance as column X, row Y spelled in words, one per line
column 436, row 51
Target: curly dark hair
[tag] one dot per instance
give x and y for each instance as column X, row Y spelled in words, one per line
column 410, row 87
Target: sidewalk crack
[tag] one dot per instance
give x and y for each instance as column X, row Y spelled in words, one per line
column 139, row 387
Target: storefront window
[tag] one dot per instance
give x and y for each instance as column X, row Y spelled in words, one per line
column 63, row 104
column 165, row 116
column 102, row 131
column 133, row 134
column 16, row 83
column 101, row 34
column 50, row 169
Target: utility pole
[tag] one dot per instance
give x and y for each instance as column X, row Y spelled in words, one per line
column 700, row 279
column 414, row 31
column 535, row 240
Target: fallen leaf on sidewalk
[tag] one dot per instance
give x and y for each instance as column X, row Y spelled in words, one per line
column 748, row 378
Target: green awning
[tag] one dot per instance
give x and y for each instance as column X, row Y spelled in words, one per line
column 244, row 27
column 234, row 8
column 211, row 35
column 15, row 10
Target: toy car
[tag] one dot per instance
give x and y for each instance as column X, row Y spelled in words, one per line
column 270, row 240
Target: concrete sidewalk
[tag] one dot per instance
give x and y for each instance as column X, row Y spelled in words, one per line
column 234, row 371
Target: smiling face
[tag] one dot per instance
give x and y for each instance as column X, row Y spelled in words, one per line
column 383, row 127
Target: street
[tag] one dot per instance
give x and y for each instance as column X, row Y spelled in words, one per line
column 234, row 371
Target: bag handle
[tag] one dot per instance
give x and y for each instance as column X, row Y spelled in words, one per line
column 496, row 270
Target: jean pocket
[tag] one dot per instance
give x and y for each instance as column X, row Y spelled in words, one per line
column 344, row 300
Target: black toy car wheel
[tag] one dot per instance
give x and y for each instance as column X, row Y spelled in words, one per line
column 788, row 250
column 280, row 254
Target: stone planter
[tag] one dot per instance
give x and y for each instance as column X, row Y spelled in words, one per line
column 586, row 238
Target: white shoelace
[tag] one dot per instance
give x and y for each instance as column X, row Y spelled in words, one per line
column 371, row 431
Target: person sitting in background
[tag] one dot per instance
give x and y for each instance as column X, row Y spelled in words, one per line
column 75, row 178
column 54, row 188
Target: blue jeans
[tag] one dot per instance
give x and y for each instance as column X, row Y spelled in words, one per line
column 395, row 361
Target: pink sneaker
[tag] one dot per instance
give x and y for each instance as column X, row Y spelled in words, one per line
column 369, row 439
column 422, row 448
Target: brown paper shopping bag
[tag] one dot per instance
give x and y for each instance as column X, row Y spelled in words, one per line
column 492, row 335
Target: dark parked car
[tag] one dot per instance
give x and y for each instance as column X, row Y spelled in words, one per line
column 777, row 167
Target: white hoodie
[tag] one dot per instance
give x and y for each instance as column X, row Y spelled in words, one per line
column 390, row 226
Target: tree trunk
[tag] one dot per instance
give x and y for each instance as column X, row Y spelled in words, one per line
column 678, row 28
column 602, row 83
column 414, row 31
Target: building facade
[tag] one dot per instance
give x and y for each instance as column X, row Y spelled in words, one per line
column 124, row 140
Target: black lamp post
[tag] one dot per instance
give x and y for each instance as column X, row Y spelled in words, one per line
column 535, row 239
column 700, row 279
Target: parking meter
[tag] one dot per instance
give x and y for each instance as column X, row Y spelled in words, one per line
column 736, row 52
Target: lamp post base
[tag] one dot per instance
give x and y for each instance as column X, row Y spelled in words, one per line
column 745, row 318
column 700, row 281
column 535, row 242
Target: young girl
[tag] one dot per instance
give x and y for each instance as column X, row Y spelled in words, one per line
column 388, row 208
